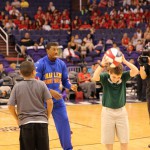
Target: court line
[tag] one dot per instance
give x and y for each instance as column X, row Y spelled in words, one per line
column 101, row 143
column 80, row 124
column 84, row 144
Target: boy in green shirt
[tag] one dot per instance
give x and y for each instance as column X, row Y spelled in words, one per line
column 114, row 116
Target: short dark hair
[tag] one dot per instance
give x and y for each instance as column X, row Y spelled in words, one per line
column 117, row 70
column 51, row 44
column 26, row 68
column 95, row 63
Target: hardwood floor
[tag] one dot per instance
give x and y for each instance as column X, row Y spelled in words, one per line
column 85, row 124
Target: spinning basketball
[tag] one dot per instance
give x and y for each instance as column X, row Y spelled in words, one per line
column 114, row 56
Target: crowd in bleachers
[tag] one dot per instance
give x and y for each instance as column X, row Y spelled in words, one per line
column 85, row 35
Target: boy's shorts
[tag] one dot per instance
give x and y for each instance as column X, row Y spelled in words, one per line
column 114, row 121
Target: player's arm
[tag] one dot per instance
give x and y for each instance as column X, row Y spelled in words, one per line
column 142, row 72
column 99, row 69
column 49, row 107
column 39, row 70
column 133, row 69
column 12, row 110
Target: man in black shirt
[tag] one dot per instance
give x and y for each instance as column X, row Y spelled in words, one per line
column 145, row 74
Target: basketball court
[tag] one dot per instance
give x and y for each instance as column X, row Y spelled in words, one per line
column 85, row 124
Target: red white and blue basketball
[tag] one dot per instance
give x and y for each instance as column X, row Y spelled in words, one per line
column 114, row 57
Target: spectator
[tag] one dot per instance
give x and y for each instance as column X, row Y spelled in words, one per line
column 2, row 15
column 51, row 7
column 126, row 2
column 75, row 25
column 25, row 42
column 2, row 72
column 125, row 40
column 93, row 68
column 42, row 42
column 96, row 24
column 14, row 11
column 85, row 26
column 130, row 48
column 137, row 10
column 31, row 25
column 68, row 53
column 115, row 46
column 147, row 32
column 134, row 39
column 23, row 25
column 77, row 40
column 139, row 34
column 84, row 81
column 93, row 7
column 83, row 50
column 8, row 7
column 103, row 3
column 24, row 4
column 139, row 46
column 111, row 3
column 121, row 24
column 84, row 11
column 46, row 26
column 89, row 42
column 109, row 41
column 55, row 25
column 9, row 26
column 65, row 25
column 16, row 4
column 73, row 44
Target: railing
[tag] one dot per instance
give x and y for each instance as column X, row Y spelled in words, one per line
column 5, row 39
column 74, row 68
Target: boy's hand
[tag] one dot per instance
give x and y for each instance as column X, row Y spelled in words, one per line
column 104, row 61
column 123, row 59
column 142, row 68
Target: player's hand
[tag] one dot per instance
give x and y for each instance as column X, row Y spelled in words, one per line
column 74, row 87
column 104, row 61
column 55, row 94
column 123, row 59
column 142, row 68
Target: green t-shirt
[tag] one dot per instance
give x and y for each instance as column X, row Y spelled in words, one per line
column 114, row 95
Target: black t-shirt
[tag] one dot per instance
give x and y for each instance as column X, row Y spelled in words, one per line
column 29, row 42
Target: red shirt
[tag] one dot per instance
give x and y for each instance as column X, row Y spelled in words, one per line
column 55, row 26
column 22, row 26
column 84, row 77
column 85, row 26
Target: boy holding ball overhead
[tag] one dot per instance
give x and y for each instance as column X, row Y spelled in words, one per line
column 114, row 118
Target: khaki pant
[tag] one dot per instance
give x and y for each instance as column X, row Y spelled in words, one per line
column 114, row 121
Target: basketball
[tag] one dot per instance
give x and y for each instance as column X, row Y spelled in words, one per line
column 114, row 57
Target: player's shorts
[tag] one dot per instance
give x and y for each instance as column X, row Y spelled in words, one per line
column 114, row 121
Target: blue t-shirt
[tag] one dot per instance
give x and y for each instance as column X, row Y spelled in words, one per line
column 53, row 73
